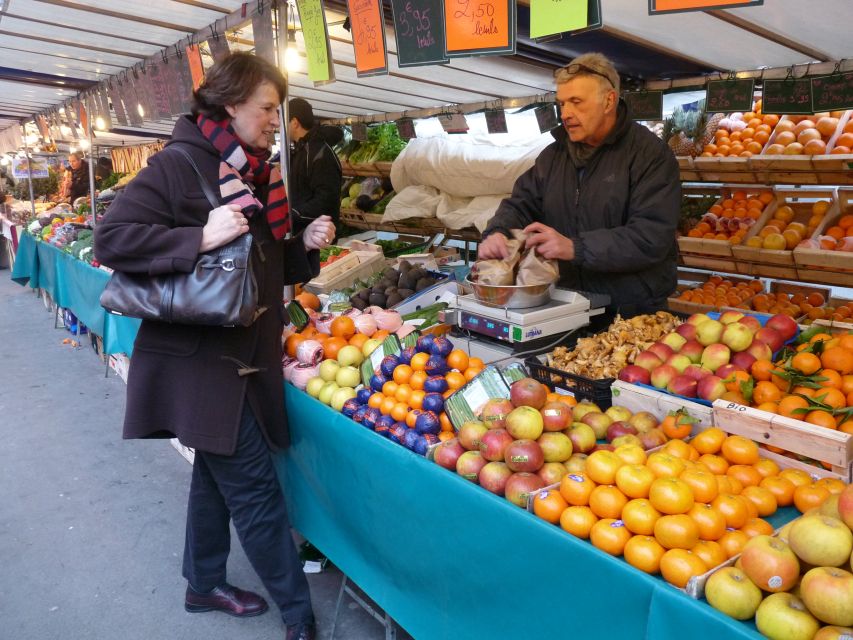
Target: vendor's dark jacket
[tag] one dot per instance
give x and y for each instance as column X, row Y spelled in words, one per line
column 315, row 177
column 79, row 182
column 185, row 381
column 621, row 210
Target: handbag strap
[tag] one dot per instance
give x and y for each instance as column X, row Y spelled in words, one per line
column 205, row 185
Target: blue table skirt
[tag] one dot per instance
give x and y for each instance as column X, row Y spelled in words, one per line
column 74, row 285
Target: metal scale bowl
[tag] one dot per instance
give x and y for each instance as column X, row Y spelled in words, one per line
column 511, row 296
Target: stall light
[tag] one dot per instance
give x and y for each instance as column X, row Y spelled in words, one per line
column 4, row 161
column 62, row 110
column 100, row 124
column 140, row 110
column 84, row 144
column 65, row 130
column 72, row 149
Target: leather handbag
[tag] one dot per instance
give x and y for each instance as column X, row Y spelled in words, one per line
column 221, row 290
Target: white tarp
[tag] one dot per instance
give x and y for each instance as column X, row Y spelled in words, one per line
column 10, row 139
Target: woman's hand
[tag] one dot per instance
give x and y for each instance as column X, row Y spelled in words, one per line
column 319, row 234
column 224, row 224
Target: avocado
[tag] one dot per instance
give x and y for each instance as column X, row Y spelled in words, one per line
column 390, row 290
column 358, row 303
column 393, row 299
column 405, row 292
column 404, row 266
column 390, row 274
column 364, row 295
column 377, row 299
column 424, row 283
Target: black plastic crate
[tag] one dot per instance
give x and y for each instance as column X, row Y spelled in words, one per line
column 597, row 391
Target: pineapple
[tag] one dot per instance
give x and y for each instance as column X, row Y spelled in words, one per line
column 679, row 130
column 707, row 135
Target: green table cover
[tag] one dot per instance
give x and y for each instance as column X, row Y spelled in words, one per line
column 447, row 559
column 74, row 285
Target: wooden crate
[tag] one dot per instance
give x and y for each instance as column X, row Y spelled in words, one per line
column 734, row 169
column 823, row 265
column 818, row 443
column 342, row 273
column 835, row 327
column 693, row 280
column 637, row 398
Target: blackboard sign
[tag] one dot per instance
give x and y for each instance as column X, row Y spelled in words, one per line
column 185, row 80
column 791, row 95
column 833, row 92
column 496, row 121
column 546, row 116
column 725, row 96
column 262, row 34
column 218, row 47
column 159, row 93
column 118, row 106
column 645, row 105
column 406, row 128
column 453, row 123
column 419, row 31
column 359, row 131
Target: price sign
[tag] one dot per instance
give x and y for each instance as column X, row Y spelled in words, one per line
column 496, row 121
column 548, row 17
column 104, row 108
column 172, row 80
column 406, row 128
column 315, row 33
column 546, row 116
column 368, row 37
column 359, row 131
column 185, row 81
column 118, row 106
column 195, row 66
column 159, row 93
column 453, row 123
column 675, row 6
column 218, row 47
column 644, row 105
column 262, row 34
column 792, row 95
column 833, row 92
column 477, row 27
column 131, row 104
column 729, row 95
column 419, row 32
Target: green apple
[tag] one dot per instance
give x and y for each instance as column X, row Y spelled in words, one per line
column 731, row 591
column 782, row 616
column 370, row 346
column 325, row 395
column 821, row 540
column 314, row 385
column 348, row 377
column 340, row 396
column 329, row 369
column 350, row 356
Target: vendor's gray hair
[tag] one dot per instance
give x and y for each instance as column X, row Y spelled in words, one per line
column 593, row 65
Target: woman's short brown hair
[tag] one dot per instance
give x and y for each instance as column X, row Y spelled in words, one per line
column 232, row 81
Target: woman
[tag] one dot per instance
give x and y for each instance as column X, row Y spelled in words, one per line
column 219, row 389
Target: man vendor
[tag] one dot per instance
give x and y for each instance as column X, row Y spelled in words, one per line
column 603, row 199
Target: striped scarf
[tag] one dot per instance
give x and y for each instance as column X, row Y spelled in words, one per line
column 240, row 166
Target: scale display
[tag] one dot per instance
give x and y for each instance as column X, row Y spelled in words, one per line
column 486, row 326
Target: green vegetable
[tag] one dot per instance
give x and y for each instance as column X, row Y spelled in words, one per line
column 110, row 180
column 328, row 252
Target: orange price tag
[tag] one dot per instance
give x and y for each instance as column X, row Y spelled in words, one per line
column 665, row 6
column 479, row 26
column 368, row 37
column 196, row 68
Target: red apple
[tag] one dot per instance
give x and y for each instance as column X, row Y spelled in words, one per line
column 647, row 360
column 686, row 330
column 470, row 433
column 618, row 429
column 697, row 372
column 679, row 362
column 845, row 505
column 743, row 359
column 709, row 332
column 715, row 356
column 524, row 455
column 710, row 388
column 583, row 408
column 784, row 324
column 643, row 421
column 697, row 318
column 556, row 447
column 552, row 472
column 525, row 422
column 528, row 392
column 493, row 444
column 770, row 563
column 634, row 374
column 692, row 350
column 682, row 386
column 652, row 439
column 603, row 447
column 663, row 375
column 726, row 371
column 494, row 413
column 834, row 633
column 674, row 340
column 771, row 337
column 752, row 322
column 469, row 464
column 737, row 337
column 556, row 416
column 828, row 593
column 599, row 423
column 447, row 453
column 821, row 541
column 494, row 476
column 728, row 317
column 519, row 487
column 759, row 350
column 661, row 350
column 582, row 437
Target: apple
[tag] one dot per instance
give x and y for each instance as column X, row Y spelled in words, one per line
column 770, row 563
column 728, row 317
column 469, row 465
column 617, row 412
column 663, row 375
column 556, row 416
column 760, row 350
column 348, row 377
column 350, row 356
column 493, row 444
column 697, row 372
column 784, row 324
column 525, row 423
column 629, row 440
column 495, row 411
column 686, row 330
column 752, row 322
column 528, row 392
column 682, row 386
column 709, row 332
column 634, row 374
column 674, row 340
column 834, row 633
column 743, row 359
column 679, row 362
column 470, row 434
column 653, row 438
column 715, row 356
column 494, row 476
column 602, row 447
column 340, row 396
column 845, row 505
column 582, row 437
column 329, row 369
column 447, row 453
column 583, row 408
column 828, row 593
column 599, row 423
column 327, row 391
column 693, row 350
column 620, row 428
column 577, row 463
column 771, row 337
column 314, row 385
column 697, row 318
column 782, row 616
column 821, row 541
column 556, row 447
column 710, row 388
column 524, row 455
column 726, row 371
column 737, row 337
column 661, row 350
column 552, row 472
column 730, row 590
column 519, row 487
column 643, row 421
column 829, row 507
column 369, row 346
column 647, row 360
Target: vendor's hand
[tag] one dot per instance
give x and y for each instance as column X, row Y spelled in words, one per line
column 319, row 234
column 493, row 247
column 548, row 243
column 224, row 224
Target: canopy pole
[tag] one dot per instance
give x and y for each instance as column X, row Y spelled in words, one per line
column 281, row 10
column 92, row 205
column 29, row 173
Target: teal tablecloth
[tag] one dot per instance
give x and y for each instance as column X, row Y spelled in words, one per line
column 73, row 285
column 446, row 559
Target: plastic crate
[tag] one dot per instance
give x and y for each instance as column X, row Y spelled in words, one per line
column 597, row 391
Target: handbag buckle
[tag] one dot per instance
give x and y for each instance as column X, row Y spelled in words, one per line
column 228, row 265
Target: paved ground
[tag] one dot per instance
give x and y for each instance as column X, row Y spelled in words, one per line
column 91, row 526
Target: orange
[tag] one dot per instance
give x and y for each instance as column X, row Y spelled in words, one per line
column 308, row 300
column 631, row 454
column 757, row 527
column 746, row 474
column 610, row 536
column 476, row 363
column 762, row 498
column 766, row 391
column 381, row 334
column 399, row 412
column 781, row 488
column 834, row 485
column 402, row 373
column 806, row 363
column 716, row 464
column 412, row 418
column 677, row 531
column 733, row 542
column 733, row 381
column 417, row 379
column 832, row 397
column 576, row 489
column 820, row 418
column 797, row 477
column 751, row 509
column 444, row 436
column 711, row 523
column 358, row 340
column 680, row 449
column 578, row 521
column 403, row 394
column 767, row 468
column 675, row 426
column 607, row 501
column 739, row 450
column 471, row 373
column 419, row 361
column 729, row 484
column 640, row 516
column 839, row 359
column 807, row 496
column 644, row 553
column 702, row 484
column 679, row 565
column 711, row 552
column 333, row 345
column 791, row 404
column 601, row 466
column 634, row 480
column 387, row 406
column 847, row 425
column 761, row 369
column 455, row 380
column 446, row 425
column 343, row 327
column 549, row 505
column 390, row 388
column 457, row 359
column 833, row 379
column 733, row 509
column 709, row 440
column 375, row 400
column 663, row 465
column 847, row 383
column 293, row 341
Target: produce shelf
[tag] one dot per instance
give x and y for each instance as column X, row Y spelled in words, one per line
column 795, row 170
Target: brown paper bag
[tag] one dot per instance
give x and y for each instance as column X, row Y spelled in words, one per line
column 534, row 269
column 500, row 273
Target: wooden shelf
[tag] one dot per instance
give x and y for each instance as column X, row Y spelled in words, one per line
column 370, row 170
column 829, row 170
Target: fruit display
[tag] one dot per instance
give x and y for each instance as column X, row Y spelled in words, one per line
column 687, row 132
column 370, row 195
column 604, row 354
column 741, row 134
column 692, row 209
column 390, row 286
column 731, row 218
column 837, row 236
column 805, row 570
column 808, row 135
column 722, row 292
column 383, row 144
column 789, row 226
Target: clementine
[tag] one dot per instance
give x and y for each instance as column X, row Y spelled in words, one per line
column 679, row 565
column 578, row 521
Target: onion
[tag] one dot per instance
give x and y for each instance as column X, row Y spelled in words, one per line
column 323, row 322
column 388, row 320
column 373, row 310
column 287, row 366
column 845, row 244
column 736, row 116
column 302, row 373
column 352, row 312
column 725, row 123
column 309, row 352
column 366, row 324
column 809, row 244
column 738, row 125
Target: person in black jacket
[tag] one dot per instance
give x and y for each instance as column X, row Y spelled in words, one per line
column 79, row 177
column 315, row 171
column 603, row 199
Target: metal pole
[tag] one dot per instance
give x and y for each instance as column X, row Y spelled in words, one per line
column 92, row 205
column 281, row 9
column 29, row 173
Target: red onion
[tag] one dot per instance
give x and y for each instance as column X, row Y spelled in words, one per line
column 352, row 312
column 366, row 324
column 388, row 320
column 323, row 322
column 309, row 352
column 302, row 373
column 287, row 366
column 373, row 310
